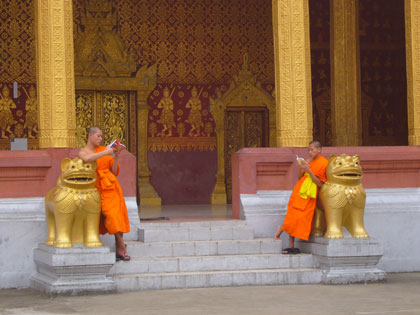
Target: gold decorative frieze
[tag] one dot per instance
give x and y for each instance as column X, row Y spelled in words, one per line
column 175, row 144
column 99, row 50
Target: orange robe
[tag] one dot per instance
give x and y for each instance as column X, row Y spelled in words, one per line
column 114, row 216
column 300, row 211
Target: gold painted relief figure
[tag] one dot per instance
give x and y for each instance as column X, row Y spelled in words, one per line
column 116, row 130
column 81, row 136
column 195, row 117
column 115, row 118
column 6, row 116
column 167, row 115
column 31, row 107
column 83, row 117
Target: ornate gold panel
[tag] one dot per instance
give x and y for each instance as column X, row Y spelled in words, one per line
column 112, row 111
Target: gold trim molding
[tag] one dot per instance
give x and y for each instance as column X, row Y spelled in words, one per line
column 412, row 36
column 346, row 114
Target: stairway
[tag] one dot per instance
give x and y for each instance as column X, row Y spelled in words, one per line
column 208, row 254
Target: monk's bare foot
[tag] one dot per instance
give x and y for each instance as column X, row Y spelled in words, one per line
column 278, row 233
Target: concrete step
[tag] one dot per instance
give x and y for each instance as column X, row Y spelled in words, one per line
column 211, row 263
column 202, row 248
column 182, row 232
column 170, row 224
column 182, row 280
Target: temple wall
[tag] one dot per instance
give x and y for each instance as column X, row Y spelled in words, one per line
column 200, row 44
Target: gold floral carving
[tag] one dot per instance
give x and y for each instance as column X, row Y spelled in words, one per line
column 345, row 74
column 55, row 73
column 292, row 72
column 244, row 91
column 85, row 106
column 412, row 31
column 17, row 41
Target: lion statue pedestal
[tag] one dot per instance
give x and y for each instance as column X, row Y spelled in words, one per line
column 73, row 259
column 344, row 259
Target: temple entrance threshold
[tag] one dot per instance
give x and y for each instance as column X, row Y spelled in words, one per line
column 185, row 213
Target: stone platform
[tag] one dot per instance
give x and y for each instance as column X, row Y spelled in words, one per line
column 73, row 271
column 346, row 260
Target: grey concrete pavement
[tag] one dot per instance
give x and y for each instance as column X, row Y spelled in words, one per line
column 399, row 295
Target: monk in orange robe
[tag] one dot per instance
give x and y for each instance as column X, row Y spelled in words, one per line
column 303, row 201
column 114, row 217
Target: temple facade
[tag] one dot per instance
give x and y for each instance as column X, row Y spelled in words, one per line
column 185, row 84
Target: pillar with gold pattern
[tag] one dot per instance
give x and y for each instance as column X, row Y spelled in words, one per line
column 412, row 35
column 55, row 73
column 217, row 108
column 293, row 72
column 345, row 74
column 148, row 194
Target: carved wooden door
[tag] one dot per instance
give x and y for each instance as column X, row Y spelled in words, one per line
column 244, row 127
column 113, row 111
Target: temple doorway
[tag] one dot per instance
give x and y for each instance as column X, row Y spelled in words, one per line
column 245, row 127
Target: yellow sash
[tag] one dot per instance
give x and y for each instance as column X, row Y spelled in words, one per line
column 308, row 188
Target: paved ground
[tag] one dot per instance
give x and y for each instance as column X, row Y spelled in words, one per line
column 399, row 295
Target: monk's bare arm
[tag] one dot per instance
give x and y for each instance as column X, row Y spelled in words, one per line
column 87, row 156
column 114, row 168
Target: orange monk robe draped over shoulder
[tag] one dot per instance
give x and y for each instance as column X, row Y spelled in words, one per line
column 300, row 211
column 114, row 216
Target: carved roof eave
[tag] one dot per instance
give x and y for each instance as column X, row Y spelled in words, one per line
column 247, row 94
column 145, row 79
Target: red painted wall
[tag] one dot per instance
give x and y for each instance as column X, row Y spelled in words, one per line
column 185, row 177
column 33, row 173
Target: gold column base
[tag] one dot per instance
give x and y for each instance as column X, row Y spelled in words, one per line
column 414, row 139
column 148, row 195
column 218, row 196
column 292, row 139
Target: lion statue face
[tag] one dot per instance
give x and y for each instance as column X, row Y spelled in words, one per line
column 77, row 174
column 344, row 169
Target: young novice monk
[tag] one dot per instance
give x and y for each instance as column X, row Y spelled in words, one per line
column 114, row 217
column 302, row 202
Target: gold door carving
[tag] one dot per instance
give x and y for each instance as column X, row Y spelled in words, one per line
column 243, row 128
column 111, row 111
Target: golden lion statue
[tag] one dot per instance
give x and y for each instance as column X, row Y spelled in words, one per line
column 343, row 199
column 73, row 206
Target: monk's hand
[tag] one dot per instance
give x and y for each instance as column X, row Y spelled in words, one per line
column 304, row 165
column 117, row 153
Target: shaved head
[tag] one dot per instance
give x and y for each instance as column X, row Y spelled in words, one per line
column 94, row 129
column 316, row 144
